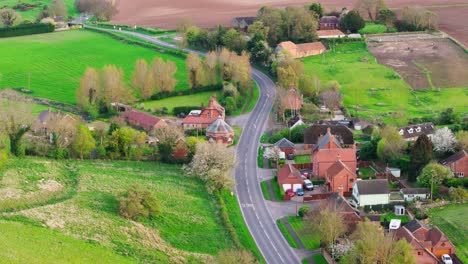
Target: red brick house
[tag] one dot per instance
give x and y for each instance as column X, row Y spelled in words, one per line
column 285, row 146
column 290, row 178
column 220, row 132
column 329, row 22
column 207, row 116
column 327, row 151
column 458, row 163
column 429, row 244
column 339, row 178
column 142, row 120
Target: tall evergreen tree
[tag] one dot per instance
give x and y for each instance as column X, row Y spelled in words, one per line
column 421, row 154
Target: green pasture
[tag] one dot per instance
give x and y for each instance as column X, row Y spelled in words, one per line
column 371, row 90
column 197, row 99
column 453, row 221
column 52, row 64
column 32, row 13
column 86, row 207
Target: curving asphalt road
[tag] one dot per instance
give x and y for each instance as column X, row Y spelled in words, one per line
column 261, row 224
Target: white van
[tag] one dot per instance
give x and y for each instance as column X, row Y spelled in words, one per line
column 308, row 185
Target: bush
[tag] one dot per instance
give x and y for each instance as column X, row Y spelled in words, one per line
column 26, row 29
column 303, row 210
column 456, row 182
column 138, row 203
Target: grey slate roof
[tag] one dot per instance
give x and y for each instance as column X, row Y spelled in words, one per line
column 219, row 126
column 416, row 130
column 324, row 141
column 329, row 20
column 284, row 143
column 373, row 186
column 454, row 157
column 413, row 225
column 415, row 190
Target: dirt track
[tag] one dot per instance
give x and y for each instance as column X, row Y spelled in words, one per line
column 206, row 13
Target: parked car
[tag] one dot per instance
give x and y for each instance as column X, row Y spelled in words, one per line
column 290, row 156
column 446, row 259
column 290, row 192
column 300, row 192
column 308, row 185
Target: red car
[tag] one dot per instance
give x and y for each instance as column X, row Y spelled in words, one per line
column 290, row 192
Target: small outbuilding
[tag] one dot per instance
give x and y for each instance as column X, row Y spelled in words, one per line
column 285, row 146
column 411, row 194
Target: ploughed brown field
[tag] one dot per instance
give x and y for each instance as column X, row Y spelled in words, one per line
column 207, row 13
column 445, row 62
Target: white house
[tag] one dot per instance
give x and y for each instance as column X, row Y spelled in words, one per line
column 411, row 194
column 371, row 192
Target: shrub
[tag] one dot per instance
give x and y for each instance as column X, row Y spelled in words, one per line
column 138, row 203
column 26, row 29
column 303, row 210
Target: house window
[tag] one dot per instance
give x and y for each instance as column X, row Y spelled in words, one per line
column 460, row 174
column 420, row 253
column 351, row 180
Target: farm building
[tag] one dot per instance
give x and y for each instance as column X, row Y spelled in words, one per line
column 458, row 163
column 330, row 33
column 301, row 50
column 411, row 194
column 371, row 192
column 429, row 244
column 204, row 118
column 340, row 178
column 290, row 178
column 360, row 124
column 142, row 120
column 412, row 132
column 220, row 132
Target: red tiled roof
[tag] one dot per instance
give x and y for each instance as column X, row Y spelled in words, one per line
column 289, row 170
column 331, row 155
column 330, row 32
column 192, row 119
column 337, row 167
column 143, row 120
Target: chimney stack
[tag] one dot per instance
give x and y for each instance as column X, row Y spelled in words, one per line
column 328, row 130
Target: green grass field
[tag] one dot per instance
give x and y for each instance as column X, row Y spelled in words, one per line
column 23, row 243
column 284, row 230
column 55, row 62
column 453, row 221
column 372, row 28
column 366, row 173
column 32, row 14
column 371, row 90
column 310, row 241
column 90, row 211
column 197, row 99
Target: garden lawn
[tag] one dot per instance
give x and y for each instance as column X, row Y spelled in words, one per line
column 288, row 236
column 32, row 13
column 55, row 62
column 25, row 243
column 373, row 28
column 404, row 218
column 188, row 213
column 265, row 191
column 319, row 259
column 197, row 99
column 302, row 159
column 310, row 241
column 371, row 90
column 453, row 221
column 366, row 173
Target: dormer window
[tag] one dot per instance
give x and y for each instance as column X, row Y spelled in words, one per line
column 401, row 132
column 410, row 131
column 418, row 129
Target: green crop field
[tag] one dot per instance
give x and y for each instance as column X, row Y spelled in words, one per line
column 371, row 90
column 54, row 63
column 32, row 13
column 82, row 202
column 453, row 220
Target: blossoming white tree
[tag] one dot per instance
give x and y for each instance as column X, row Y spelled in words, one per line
column 443, row 140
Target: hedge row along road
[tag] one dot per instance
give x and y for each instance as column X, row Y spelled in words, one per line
column 262, row 226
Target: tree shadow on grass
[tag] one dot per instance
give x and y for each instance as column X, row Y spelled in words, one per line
column 100, row 202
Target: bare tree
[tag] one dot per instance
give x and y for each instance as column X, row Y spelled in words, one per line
column 143, row 79
column 211, row 61
column 419, row 18
column 369, row 8
column 327, row 222
column 164, row 74
column 331, row 99
column 114, row 87
column 58, row 9
column 194, row 69
column 213, row 163
column 62, row 129
column 89, row 91
column 15, row 119
column 9, row 17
